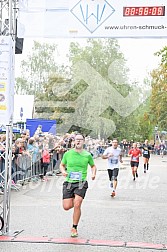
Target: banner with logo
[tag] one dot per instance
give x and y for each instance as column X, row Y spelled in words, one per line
column 6, row 79
column 92, row 18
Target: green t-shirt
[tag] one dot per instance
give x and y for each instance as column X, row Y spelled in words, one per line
column 77, row 165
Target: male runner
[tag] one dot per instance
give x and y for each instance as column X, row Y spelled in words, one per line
column 74, row 166
column 114, row 156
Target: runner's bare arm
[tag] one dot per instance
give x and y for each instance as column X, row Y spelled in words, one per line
column 62, row 169
column 107, row 156
column 121, row 157
column 94, row 169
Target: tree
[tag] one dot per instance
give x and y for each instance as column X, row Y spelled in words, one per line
column 83, row 97
column 45, row 103
column 104, row 56
column 158, row 102
column 145, row 128
column 104, row 66
column 36, row 69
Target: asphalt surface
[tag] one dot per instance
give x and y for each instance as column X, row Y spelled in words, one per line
column 135, row 220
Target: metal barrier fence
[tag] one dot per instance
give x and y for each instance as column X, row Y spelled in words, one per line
column 24, row 169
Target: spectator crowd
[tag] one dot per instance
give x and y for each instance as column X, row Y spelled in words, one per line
column 33, row 157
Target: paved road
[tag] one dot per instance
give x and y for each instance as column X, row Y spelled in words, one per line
column 135, row 220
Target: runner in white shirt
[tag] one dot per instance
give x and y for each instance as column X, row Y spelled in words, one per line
column 114, row 156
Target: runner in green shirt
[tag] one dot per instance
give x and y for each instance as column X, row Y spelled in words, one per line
column 74, row 166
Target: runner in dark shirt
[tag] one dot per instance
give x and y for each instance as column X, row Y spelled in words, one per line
column 146, row 154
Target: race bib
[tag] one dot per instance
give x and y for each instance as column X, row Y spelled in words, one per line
column 114, row 161
column 134, row 158
column 75, row 176
column 145, row 152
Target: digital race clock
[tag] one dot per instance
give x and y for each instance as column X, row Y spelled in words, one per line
column 144, row 11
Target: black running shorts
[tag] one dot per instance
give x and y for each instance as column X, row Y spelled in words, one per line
column 113, row 174
column 70, row 189
column 134, row 164
column 146, row 156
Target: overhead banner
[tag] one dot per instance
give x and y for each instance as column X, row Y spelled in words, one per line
column 6, row 79
column 93, row 18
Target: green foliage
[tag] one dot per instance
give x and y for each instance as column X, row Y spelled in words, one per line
column 102, row 54
column 36, row 69
column 83, row 114
column 79, row 107
column 158, row 102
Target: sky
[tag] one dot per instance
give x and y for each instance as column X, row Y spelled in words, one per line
column 139, row 54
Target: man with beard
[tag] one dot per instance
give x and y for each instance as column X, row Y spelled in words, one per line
column 74, row 166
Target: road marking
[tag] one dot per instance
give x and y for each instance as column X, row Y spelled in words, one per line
column 78, row 241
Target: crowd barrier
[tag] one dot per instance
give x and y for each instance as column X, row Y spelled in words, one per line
column 25, row 170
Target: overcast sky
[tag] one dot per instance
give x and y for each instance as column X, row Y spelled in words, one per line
column 140, row 55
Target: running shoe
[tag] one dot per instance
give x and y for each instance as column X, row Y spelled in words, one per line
column 136, row 175
column 134, row 179
column 113, row 194
column 144, row 171
column 74, row 232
